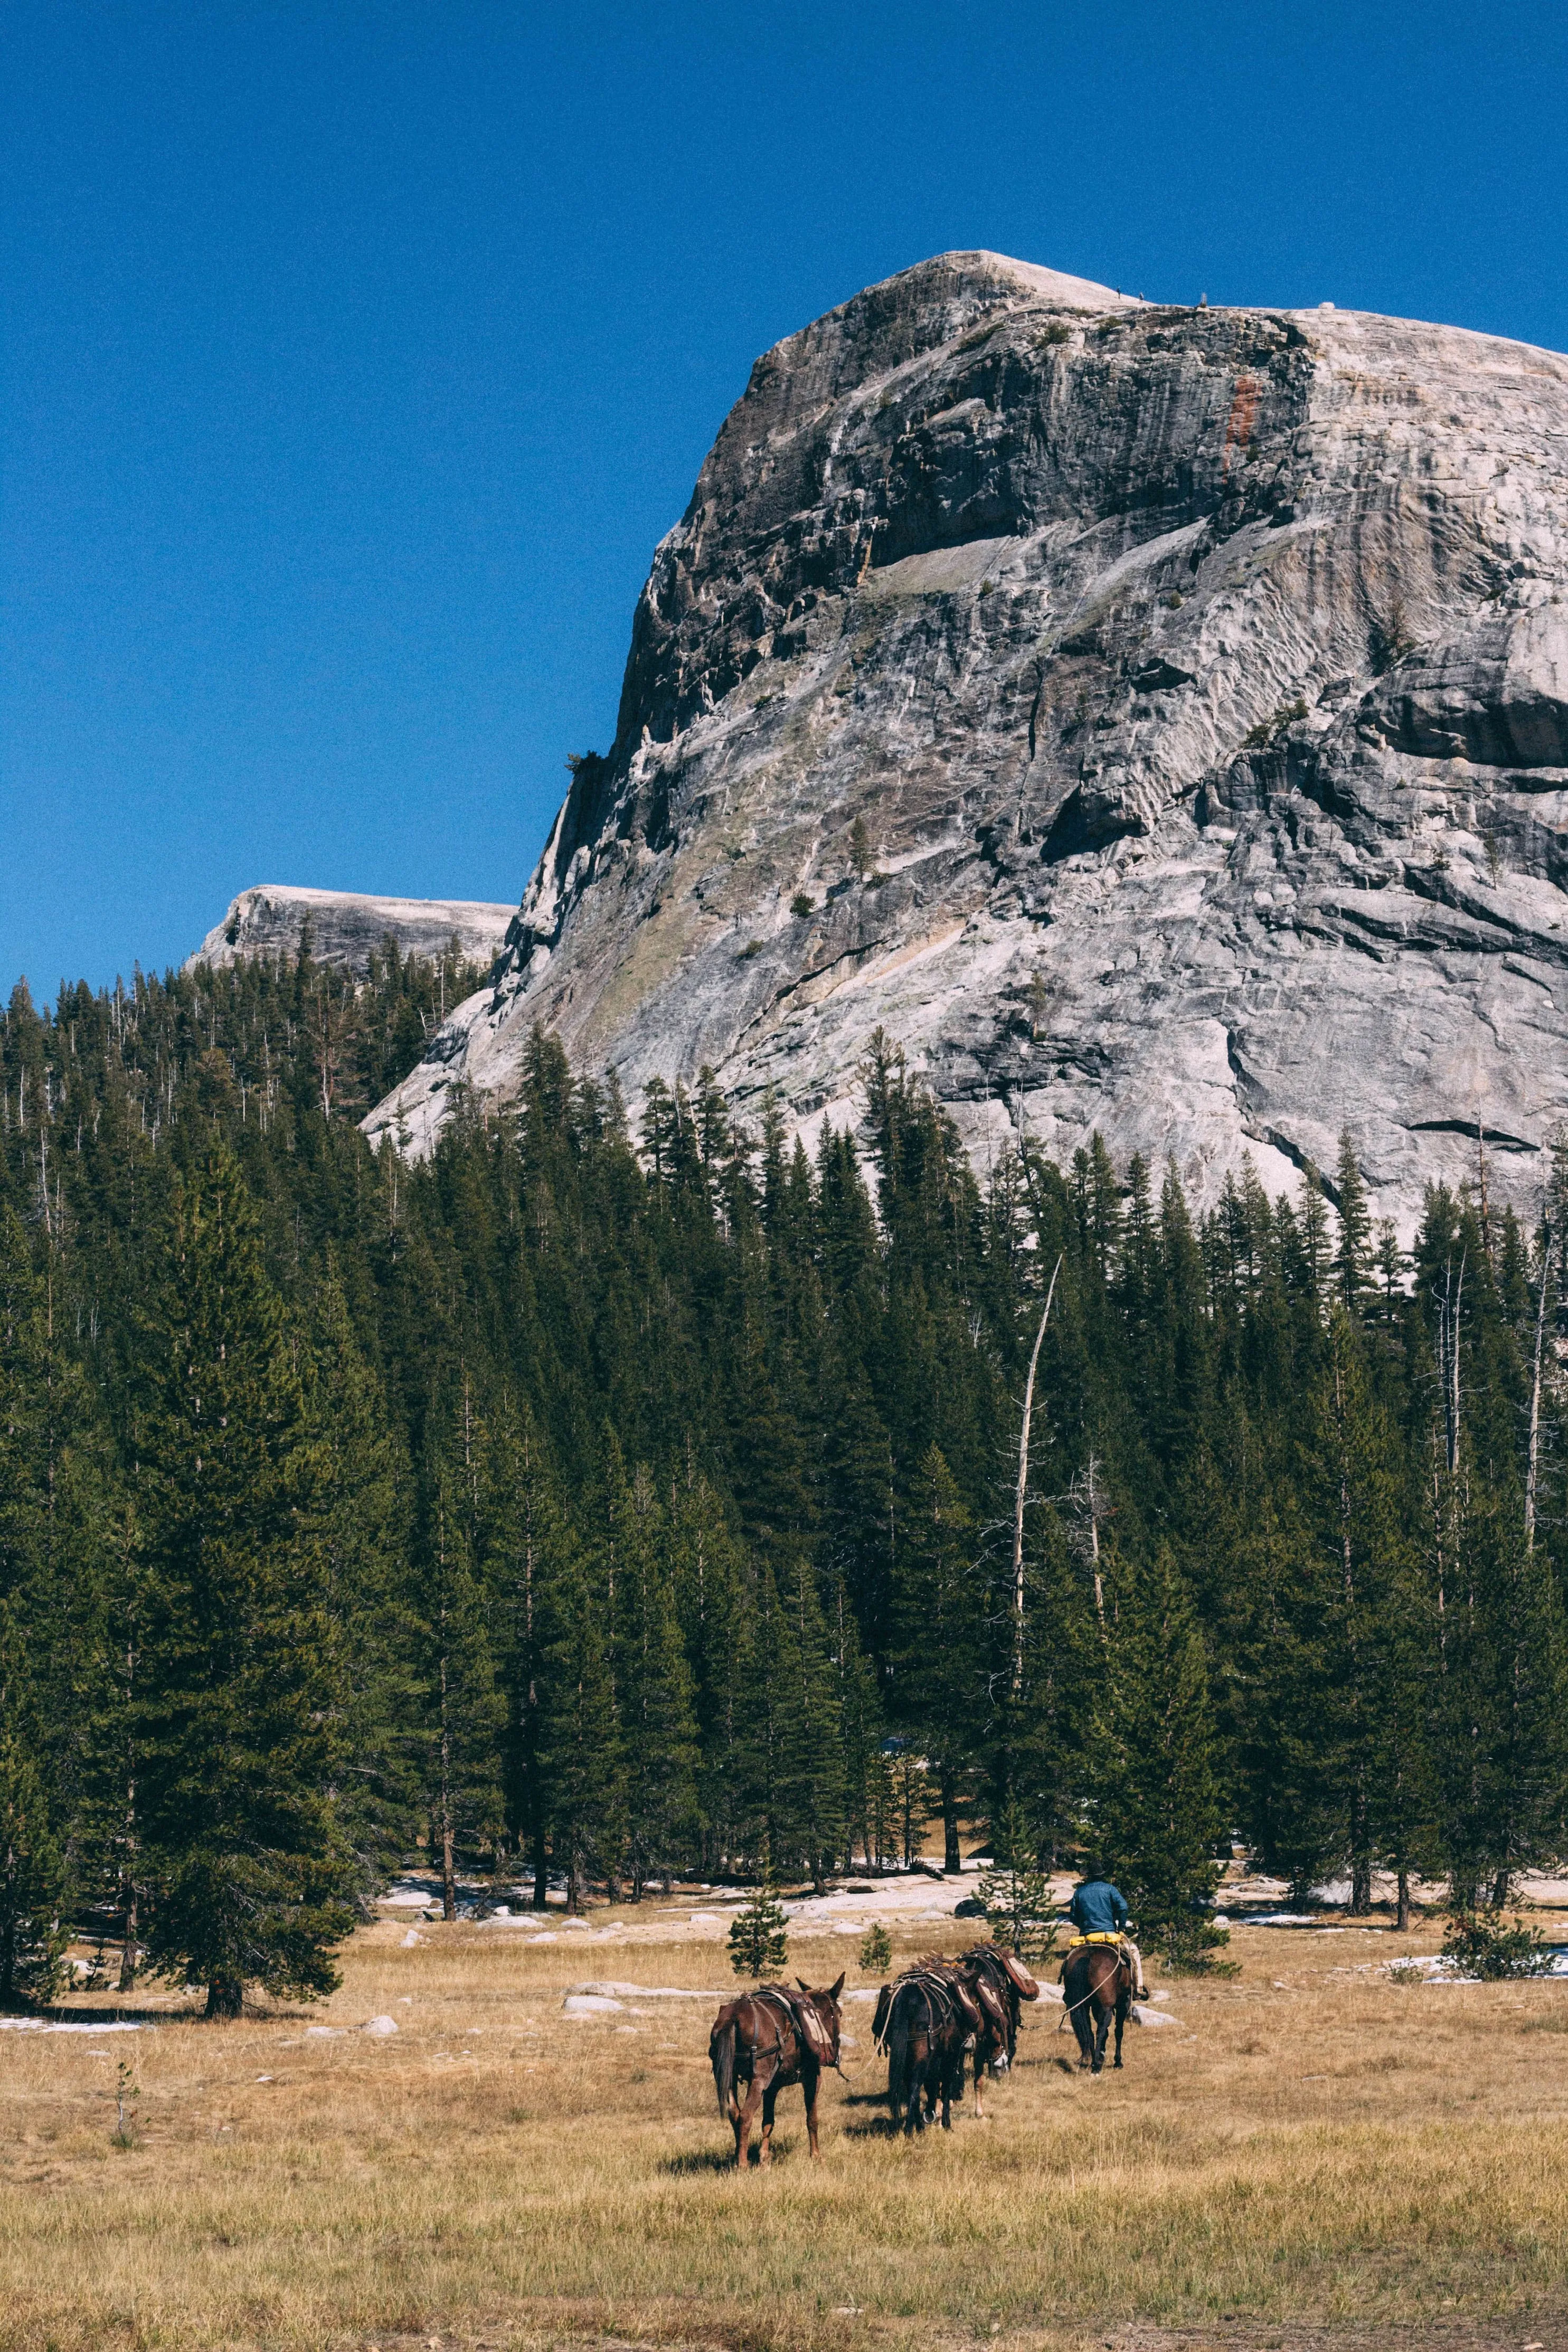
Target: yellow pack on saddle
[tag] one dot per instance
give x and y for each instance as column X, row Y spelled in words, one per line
column 1097, row 1935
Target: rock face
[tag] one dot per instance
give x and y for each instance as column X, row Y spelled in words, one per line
column 347, row 927
column 1155, row 720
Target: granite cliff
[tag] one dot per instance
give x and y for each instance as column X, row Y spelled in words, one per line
column 346, row 926
column 1155, row 720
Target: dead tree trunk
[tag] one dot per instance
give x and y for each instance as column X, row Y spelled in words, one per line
column 1023, row 1491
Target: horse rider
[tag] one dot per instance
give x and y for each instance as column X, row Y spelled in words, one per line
column 1099, row 1914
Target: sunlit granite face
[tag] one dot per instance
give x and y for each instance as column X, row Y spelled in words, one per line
column 1155, row 720
column 346, row 926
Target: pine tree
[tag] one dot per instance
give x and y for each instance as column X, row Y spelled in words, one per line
column 939, row 1685
column 1156, row 1813
column 654, row 1696
column 363, row 1486
column 33, row 1878
column 814, row 1750
column 234, row 1717
column 1352, row 1262
column 580, row 1760
column 459, row 1705
column 707, row 1573
column 527, row 1548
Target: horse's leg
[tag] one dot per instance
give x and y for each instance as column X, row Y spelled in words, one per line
column 811, row 2083
column 1123, row 2002
column 746, row 2117
column 1101, row 2028
column 1083, row 2032
column 770, row 2100
column 979, row 2081
column 914, row 2118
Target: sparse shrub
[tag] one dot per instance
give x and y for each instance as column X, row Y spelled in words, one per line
column 802, row 904
column 127, row 2090
column 1267, row 730
column 752, row 948
column 1494, row 1949
column 876, row 1950
column 1406, row 1972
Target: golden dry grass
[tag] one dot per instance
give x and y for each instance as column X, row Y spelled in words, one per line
column 1311, row 2155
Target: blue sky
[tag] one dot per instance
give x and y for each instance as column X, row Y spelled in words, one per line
column 352, row 359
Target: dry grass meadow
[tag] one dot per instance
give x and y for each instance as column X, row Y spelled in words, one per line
column 1312, row 2157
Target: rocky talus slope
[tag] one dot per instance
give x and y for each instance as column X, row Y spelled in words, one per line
column 1199, row 678
column 347, row 927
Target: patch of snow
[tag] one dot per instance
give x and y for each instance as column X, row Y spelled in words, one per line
column 413, row 1938
column 49, row 2025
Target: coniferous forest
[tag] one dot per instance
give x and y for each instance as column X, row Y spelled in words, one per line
column 626, row 1493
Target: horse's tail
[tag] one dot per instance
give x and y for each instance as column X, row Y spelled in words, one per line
column 722, row 2056
column 898, row 2032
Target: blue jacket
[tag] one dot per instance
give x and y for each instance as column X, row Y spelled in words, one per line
column 1098, row 1909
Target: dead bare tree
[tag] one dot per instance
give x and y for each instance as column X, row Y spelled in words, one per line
column 1023, row 1489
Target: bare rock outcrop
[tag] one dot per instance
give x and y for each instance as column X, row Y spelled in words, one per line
column 347, row 927
column 1155, row 720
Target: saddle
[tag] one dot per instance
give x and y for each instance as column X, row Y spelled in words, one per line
column 800, row 2015
column 950, row 1998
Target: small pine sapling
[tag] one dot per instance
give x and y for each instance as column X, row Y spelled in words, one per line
column 759, row 1936
column 1494, row 1950
column 876, row 1950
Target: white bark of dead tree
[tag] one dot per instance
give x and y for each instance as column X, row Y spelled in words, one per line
column 1023, row 1490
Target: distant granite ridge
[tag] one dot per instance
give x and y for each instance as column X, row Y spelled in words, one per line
column 348, row 926
column 1155, row 719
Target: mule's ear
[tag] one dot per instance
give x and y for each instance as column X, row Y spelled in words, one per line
column 802, row 1983
column 834, row 1991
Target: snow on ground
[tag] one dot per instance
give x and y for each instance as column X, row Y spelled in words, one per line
column 51, row 2025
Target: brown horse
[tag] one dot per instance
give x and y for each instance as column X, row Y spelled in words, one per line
column 1097, row 1985
column 926, row 2020
column 767, row 2040
column 999, row 1983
